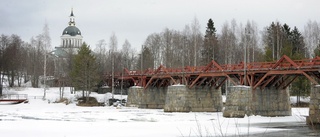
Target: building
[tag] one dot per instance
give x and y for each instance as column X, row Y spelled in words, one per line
column 71, row 40
column 71, row 35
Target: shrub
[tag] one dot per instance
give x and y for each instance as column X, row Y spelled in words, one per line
column 88, row 101
column 63, row 100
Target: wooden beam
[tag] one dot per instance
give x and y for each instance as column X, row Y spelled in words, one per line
column 194, row 82
column 173, row 80
column 224, row 80
column 285, row 86
column 265, row 75
column 210, row 81
column 205, row 78
column 154, row 83
column 283, row 82
column 283, row 58
column 311, row 79
column 277, row 80
column 149, row 82
column 268, row 81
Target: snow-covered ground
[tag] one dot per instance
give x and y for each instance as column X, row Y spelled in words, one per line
column 44, row 118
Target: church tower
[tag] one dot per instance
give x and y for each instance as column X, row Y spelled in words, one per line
column 71, row 35
column 71, row 41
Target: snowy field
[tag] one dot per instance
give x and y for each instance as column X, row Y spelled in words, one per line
column 43, row 118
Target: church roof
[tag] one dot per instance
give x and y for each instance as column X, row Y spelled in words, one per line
column 71, row 30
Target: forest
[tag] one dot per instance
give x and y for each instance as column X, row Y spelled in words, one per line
column 22, row 61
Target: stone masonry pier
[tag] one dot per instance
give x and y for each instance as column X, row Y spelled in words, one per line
column 271, row 102
column 313, row 120
column 241, row 100
column 238, row 102
column 134, row 96
column 178, row 98
column 153, row 98
column 198, row 99
column 268, row 102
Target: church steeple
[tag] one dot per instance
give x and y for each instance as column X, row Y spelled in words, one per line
column 72, row 22
column 71, row 35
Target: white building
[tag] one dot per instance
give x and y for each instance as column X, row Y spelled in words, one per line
column 71, row 41
column 71, row 35
column 71, row 38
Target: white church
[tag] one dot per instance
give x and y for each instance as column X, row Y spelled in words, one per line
column 71, row 41
column 71, row 38
column 71, row 35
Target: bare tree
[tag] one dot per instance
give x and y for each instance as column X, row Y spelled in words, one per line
column 12, row 57
column 252, row 41
column 154, row 42
column 46, row 45
column 177, row 54
column 229, row 43
column 312, row 37
column 188, row 47
column 196, row 39
column 113, row 48
column 35, row 60
column 125, row 51
column 113, row 42
column 4, row 42
column 167, row 47
column 101, row 56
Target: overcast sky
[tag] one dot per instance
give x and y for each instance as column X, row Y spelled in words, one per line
column 136, row 19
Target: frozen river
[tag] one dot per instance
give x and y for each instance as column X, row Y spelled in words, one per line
column 42, row 118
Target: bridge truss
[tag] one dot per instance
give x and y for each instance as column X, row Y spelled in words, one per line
column 279, row 74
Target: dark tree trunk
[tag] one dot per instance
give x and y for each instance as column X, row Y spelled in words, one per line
column 34, row 81
column 82, row 93
column 1, row 89
column 19, row 79
column 1, row 82
column 11, row 81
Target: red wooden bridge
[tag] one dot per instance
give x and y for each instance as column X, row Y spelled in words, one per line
column 279, row 74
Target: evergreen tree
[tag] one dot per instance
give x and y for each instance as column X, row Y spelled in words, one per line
column 282, row 40
column 317, row 50
column 301, row 86
column 298, row 45
column 147, row 60
column 84, row 72
column 210, row 48
column 272, row 40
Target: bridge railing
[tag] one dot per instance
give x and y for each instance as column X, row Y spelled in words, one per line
column 251, row 66
column 14, row 97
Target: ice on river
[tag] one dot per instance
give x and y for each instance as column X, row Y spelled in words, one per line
column 43, row 118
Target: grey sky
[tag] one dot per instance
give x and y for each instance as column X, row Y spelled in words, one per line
column 136, row 19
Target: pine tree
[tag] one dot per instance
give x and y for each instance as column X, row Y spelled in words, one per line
column 282, row 40
column 210, row 47
column 84, row 72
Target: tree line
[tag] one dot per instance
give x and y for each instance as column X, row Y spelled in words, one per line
column 171, row 48
column 22, row 61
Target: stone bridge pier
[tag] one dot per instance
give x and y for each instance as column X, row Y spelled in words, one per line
column 314, row 107
column 176, row 98
column 238, row 102
column 153, row 98
column 180, row 98
column 270, row 102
